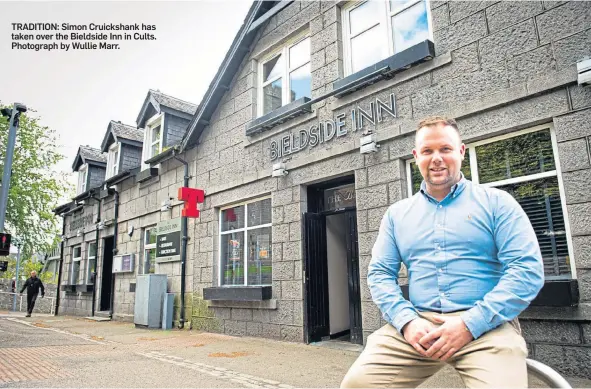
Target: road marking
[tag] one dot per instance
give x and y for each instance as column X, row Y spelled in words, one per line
column 247, row 380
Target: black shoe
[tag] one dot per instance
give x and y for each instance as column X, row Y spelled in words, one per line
column 28, row 315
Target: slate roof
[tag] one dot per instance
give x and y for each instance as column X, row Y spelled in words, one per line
column 87, row 153
column 173, row 102
column 126, row 131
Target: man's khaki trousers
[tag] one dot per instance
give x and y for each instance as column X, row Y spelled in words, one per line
column 496, row 359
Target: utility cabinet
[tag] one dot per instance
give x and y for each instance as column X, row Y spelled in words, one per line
column 150, row 290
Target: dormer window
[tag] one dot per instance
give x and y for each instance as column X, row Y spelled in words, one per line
column 153, row 136
column 82, row 178
column 285, row 76
column 113, row 160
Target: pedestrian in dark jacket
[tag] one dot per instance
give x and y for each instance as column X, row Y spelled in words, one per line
column 32, row 285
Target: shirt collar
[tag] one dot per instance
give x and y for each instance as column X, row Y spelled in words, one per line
column 455, row 190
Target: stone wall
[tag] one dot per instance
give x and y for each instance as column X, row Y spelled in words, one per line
column 42, row 305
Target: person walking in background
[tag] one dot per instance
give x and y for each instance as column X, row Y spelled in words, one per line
column 32, row 285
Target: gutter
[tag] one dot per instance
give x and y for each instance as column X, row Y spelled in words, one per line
column 184, row 242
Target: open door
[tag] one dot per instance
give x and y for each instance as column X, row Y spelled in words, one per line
column 353, row 276
column 316, row 320
column 106, row 274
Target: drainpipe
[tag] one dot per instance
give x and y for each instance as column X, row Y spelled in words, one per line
column 59, row 272
column 184, row 243
column 115, row 232
column 96, row 243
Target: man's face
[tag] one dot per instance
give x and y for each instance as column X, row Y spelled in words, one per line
column 439, row 153
column 33, row 274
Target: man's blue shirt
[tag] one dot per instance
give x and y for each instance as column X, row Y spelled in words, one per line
column 474, row 251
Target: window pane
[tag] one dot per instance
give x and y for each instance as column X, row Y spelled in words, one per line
column 366, row 49
column 259, row 213
column 91, row 270
column 274, row 68
column 540, row 199
column 416, row 178
column 232, row 258
column 299, row 54
column 396, row 5
column 515, row 157
column 150, row 260
column 300, row 82
column 156, row 133
column 259, row 256
column 233, row 218
column 92, row 250
column 272, row 96
column 155, row 149
column 410, row 27
column 150, row 236
column 365, row 16
column 75, row 272
column 77, row 252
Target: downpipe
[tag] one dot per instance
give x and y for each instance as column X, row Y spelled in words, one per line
column 184, row 244
column 59, row 272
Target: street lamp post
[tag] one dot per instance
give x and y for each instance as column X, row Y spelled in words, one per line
column 16, row 277
column 14, row 115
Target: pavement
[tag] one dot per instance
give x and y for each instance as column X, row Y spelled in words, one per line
column 65, row 351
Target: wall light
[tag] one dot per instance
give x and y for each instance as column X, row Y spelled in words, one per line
column 279, row 170
column 368, row 144
column 166, row 205
column 584, row 71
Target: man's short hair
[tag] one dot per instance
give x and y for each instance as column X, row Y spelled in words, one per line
column 434, row 120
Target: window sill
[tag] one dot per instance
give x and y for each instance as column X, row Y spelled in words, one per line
column 68, row 288
column 278, row 116
column 146, row 174
column 237, row 293
column 386, row 68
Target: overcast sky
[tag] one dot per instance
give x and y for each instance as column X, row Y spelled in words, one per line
column 78, row 92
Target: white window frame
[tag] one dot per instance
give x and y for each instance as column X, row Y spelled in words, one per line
column 152, row 246
column 244, row 229
column 385, row 23
column 112, row 160
column 287, row 70
column 88, row 259
column 553, row 173
column 82, row 178
column 74, row 260
column 154, row 121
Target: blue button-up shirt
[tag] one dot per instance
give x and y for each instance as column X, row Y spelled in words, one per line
column 474, row 251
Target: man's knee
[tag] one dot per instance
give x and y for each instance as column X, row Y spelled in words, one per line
column 355, row 378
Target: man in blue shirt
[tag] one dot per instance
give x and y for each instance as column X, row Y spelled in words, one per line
column 473, row 263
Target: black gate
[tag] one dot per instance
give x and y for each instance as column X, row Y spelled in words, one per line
column 316, row 320
column 354, row 287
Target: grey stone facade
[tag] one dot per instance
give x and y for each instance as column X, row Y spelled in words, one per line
column 500, row 67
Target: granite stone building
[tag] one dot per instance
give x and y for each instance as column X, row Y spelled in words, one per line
column 304, row 138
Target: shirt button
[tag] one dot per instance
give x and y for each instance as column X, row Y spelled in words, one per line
column 440, row 270
column 440, row 206
column 442, row 294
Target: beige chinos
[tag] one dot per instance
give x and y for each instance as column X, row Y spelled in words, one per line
column 496, row 359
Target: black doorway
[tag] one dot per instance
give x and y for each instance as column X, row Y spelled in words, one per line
column 332, row 297
column 106, row 274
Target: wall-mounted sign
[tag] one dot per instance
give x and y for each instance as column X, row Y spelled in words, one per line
column 81, row 220
column 168, row 240
column 339, row 198
column 191, row 197
column 327, row 130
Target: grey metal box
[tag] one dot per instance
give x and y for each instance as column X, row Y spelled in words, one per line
column 149, row 292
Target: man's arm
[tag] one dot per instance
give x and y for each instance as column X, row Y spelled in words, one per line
column 519, row 253
column 382, row 278
column 24, row 286
column 42, row 288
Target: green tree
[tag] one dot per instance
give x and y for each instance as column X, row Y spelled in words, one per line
column 35, row 188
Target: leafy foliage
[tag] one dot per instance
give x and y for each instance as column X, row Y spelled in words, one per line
column 25, row 269
column 35, row 189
